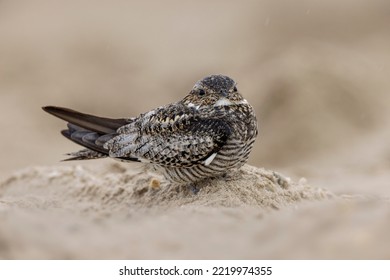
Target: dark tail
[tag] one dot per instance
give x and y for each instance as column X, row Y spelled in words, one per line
column 87, row 130
column 88, row 122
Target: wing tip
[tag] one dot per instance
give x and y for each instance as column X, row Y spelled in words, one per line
column 49, row 109
column 57, row 111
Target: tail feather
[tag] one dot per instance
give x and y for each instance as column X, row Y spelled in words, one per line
column 89, row 131
column 88, row 122
column 84, row 155
column 86, row 139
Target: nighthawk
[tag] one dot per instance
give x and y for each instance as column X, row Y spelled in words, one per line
column 209, row 133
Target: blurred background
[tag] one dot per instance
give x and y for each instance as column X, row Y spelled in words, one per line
column 317, row 73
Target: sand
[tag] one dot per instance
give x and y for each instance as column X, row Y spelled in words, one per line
column 72, row 212
column 317, row 182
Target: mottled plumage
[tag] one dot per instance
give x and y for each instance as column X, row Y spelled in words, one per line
column 210, row 132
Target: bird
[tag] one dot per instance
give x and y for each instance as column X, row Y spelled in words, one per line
column 207, row 134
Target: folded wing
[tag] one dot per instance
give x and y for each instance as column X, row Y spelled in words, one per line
column 175, row 141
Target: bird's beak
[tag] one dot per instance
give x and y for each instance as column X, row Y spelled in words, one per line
column 224, row 94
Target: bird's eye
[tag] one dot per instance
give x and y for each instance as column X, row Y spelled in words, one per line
column 234, row 89
column 201, row 92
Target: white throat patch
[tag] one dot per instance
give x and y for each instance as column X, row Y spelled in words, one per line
column 223, row 102
column 226, row 102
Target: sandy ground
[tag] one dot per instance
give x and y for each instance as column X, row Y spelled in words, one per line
column 316, row 73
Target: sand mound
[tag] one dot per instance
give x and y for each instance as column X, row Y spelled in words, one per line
column 113, row 212
column 109, row 212
column 119, row 188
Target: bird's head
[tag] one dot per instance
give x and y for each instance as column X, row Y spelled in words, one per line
column 214, row 91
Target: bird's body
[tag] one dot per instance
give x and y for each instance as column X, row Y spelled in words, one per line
column 207, row 134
